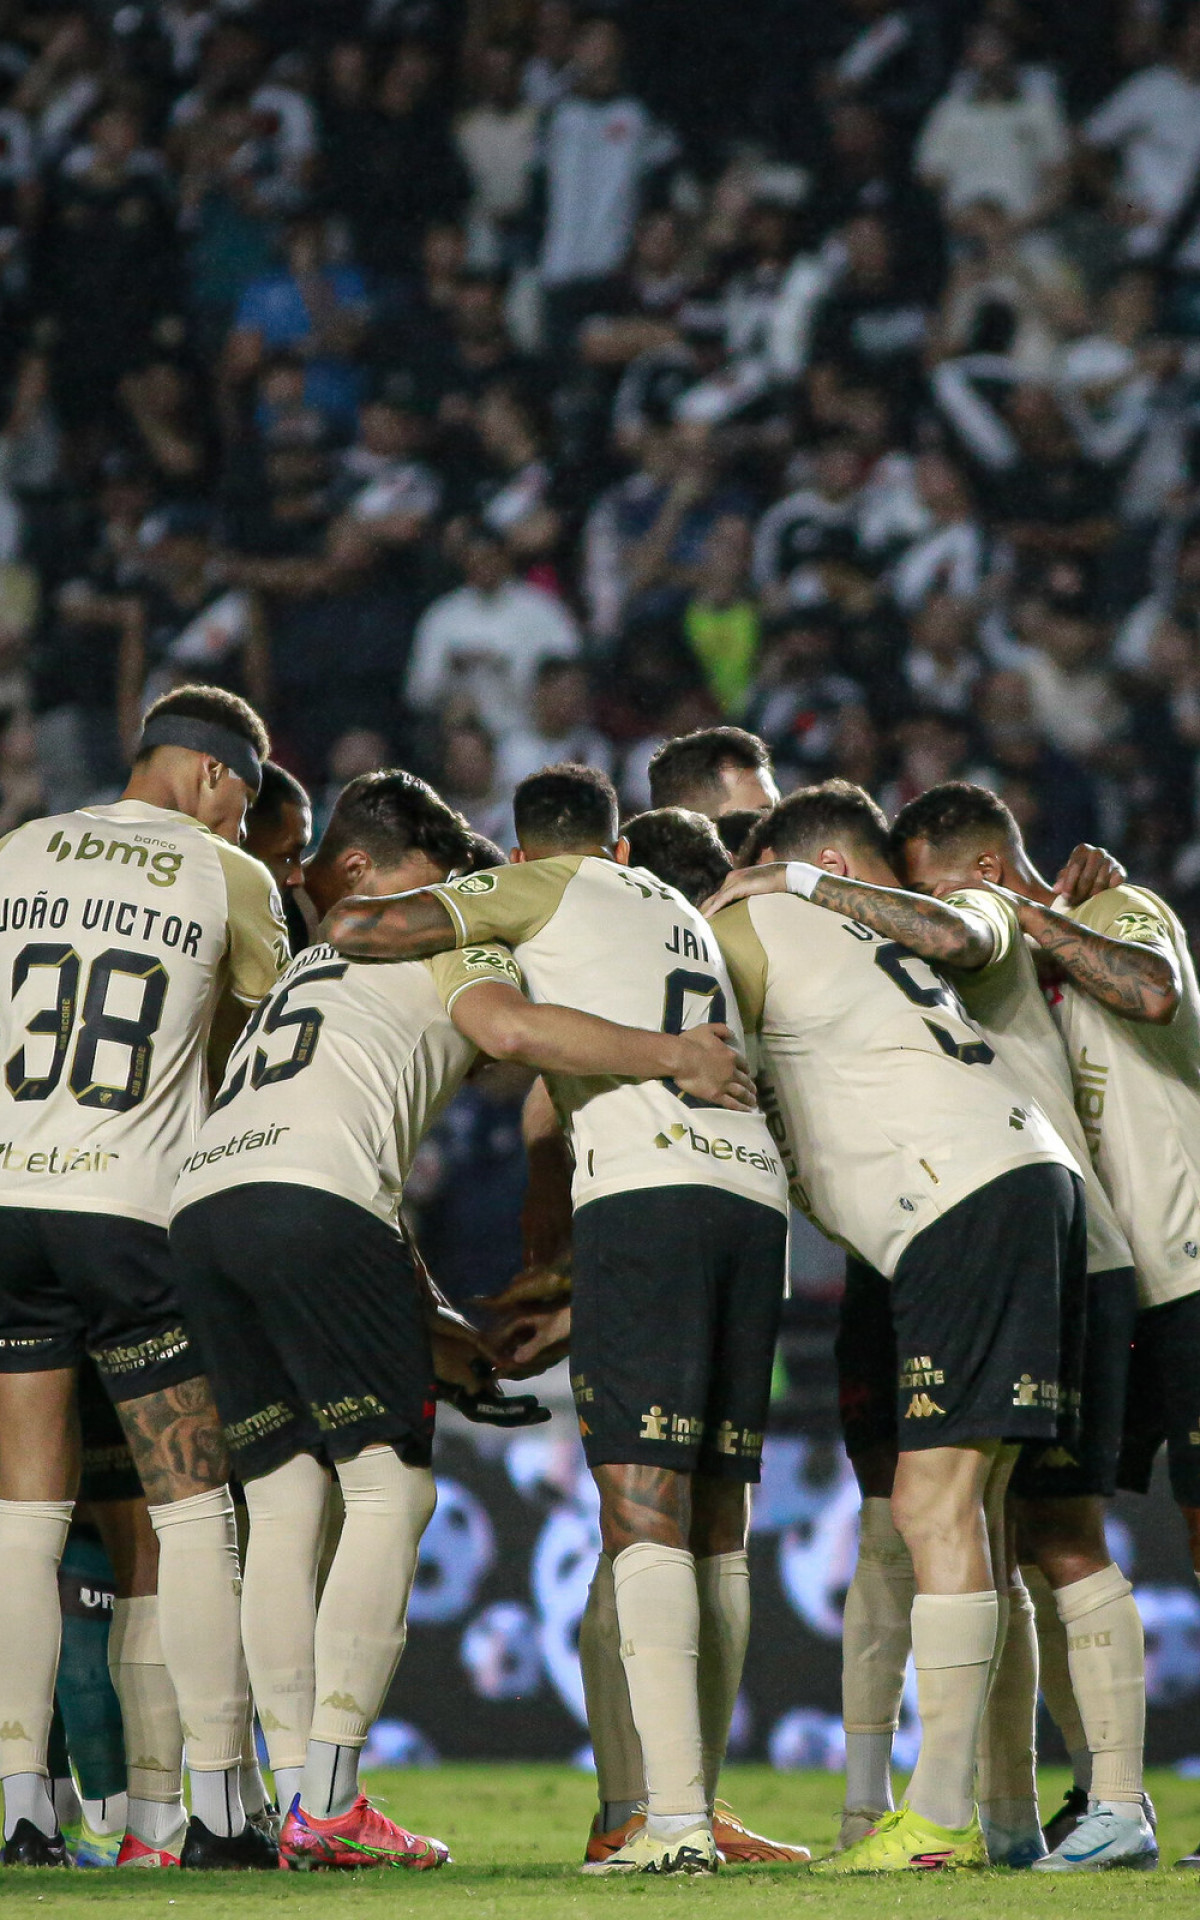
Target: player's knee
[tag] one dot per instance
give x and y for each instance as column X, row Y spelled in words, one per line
column 643, row 1503
column 1064, row 1538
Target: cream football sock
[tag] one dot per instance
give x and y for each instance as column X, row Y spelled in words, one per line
column 279, row 1608
column 150, row 1717
column 658, row 1609
column 1106, row 1651
column 953, row 1640
column 620, row 1780
column 360, row 1627
column 1007, row 1766
column 32, row 1536
column 1054, row 1675
column 199, row 1606
column 723, row 1586
column 876, row 1641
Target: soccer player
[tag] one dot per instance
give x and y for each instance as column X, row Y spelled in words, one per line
column 1061, row 1491
column 1129, row 1013
column 909, row 1142
column 278, row 829
column 723, row 772
column 125, row 931
column 684, row 849
column 680, row 1229
column 300, row 1289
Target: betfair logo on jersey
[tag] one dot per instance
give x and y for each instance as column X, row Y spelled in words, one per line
column 921, row 1407
column 1091, row 1087
column 162, row 867
column 474, row 883
column 718, row 1149
column 55, row 1159
column 1028, row 1392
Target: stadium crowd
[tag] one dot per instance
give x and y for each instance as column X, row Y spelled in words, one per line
column 483, row 382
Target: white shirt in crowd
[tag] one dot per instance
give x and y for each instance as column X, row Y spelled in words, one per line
column 597, row 153
column 483, row 650
column 997, row 150
column 1153, row 121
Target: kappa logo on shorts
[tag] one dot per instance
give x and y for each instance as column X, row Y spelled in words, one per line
column 921, row 1407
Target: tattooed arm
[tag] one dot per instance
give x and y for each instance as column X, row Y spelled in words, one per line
column 926, row 927
column 1136, row 981
column 389, row 926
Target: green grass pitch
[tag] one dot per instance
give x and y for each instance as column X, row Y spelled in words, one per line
column 517, row 1834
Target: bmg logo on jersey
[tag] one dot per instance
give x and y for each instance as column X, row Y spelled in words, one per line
column 163, row 866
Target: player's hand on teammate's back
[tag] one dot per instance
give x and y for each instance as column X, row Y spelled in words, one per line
column 771, row 877
column 533, row 1341
column 1087, row 872
column 711, row 1071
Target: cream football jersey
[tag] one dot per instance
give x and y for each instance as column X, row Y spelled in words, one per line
column 616, row 941
column 1005, row 1000
column 887, row 1101
column 338, row 1076
column 121, row 928
column 1137, row 1089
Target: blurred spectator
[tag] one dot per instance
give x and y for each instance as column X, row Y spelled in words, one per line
column 721, row 620
column 800, row 696
column 469, row 780
column 1152, row 122
column 941, row 667
column 476, row 650
column 561, row 729
column 995, row 136
column 600, row 149
column 311, row 307
column 497, row 141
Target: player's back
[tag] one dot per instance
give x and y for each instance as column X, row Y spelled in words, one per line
column 1137, row 1090
column 339, row 1074
column 120, row 927
column 616, row 941
column 893, row 1105
column 1006, row 1001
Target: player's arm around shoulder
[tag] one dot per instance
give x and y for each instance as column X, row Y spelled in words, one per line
column 500, row 903
column 1118, row 946
column 927, row 927
column 503, row 1023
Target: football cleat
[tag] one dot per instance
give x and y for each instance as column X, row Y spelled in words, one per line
column 268, row 1820
column 739, row 1847
column 28, row 1846
column 138, row 1853
column 91, row 1849
column 694, row 1851
column 1064, row 1822
column 361, row 1837
column 857, row 1823
column 246, row 1852
column 1110, row 1834
column 905, row 1842
column 601, row 1845
column 1013, row 1847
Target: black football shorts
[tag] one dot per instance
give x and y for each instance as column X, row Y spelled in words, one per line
column 307, row 1314
column 989, row 1306
column 91, row 1283
column 1050, row 1471
column 675, row 1313
column 865, row 1353
column 1163, row 1402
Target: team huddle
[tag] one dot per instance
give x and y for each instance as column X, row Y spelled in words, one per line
column 221, row 1352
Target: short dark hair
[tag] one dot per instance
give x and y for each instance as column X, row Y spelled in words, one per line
column 681, row 847
column 566, row 807
column 734, row 829
column 484, row 853
column 215, row 704
column 689, row 767
column 809, row 819
column 956, row 810
column 389, row 813
column 279, row 789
